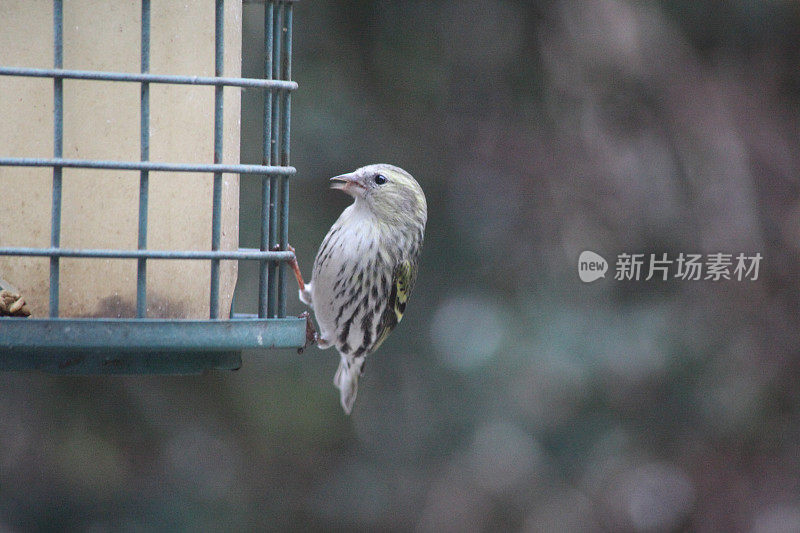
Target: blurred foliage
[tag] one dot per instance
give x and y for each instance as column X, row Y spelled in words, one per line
column 512, row 397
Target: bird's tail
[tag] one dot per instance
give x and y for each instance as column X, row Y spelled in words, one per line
column 346, row 380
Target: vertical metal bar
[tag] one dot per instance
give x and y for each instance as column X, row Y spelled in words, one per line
column 286, row 64
column 266, row 152
column 273, row 198
column 216, row 214
column 144, row 175
column 58, row 148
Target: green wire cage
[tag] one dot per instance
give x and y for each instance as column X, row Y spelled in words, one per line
column 141, row 344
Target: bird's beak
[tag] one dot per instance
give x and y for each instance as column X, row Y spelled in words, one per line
column 348, row 183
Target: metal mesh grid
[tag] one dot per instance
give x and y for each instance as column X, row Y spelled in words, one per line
column 267, row 327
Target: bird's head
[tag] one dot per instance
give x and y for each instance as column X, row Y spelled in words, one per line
column 390, row 192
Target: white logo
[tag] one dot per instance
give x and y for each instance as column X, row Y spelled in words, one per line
column 715, row 267
column 591, row 266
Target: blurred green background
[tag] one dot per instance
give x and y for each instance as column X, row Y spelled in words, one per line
column 512, row 397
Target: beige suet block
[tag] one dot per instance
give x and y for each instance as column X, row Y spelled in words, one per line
column 101, row 121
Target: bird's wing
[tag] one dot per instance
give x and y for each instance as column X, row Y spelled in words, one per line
column 403, row 278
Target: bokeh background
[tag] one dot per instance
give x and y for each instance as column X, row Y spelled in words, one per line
column 512, row 397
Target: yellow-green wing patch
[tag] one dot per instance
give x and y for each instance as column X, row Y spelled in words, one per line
column 403, row 279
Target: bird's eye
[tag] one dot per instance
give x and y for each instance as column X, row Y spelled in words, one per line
column 380, row 179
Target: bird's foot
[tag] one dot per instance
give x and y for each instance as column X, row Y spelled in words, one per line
column 311, row 333
column 292, row 263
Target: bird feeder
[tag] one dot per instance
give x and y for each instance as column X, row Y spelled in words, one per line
column 119, row 186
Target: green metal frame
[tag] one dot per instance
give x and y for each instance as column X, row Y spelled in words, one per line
column 142, row 345
column 115, row 346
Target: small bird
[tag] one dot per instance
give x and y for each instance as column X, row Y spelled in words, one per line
column 366, row 267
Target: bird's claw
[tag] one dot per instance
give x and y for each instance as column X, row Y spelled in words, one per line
column 311, row 333
column 277, row 248
column 293, row 264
